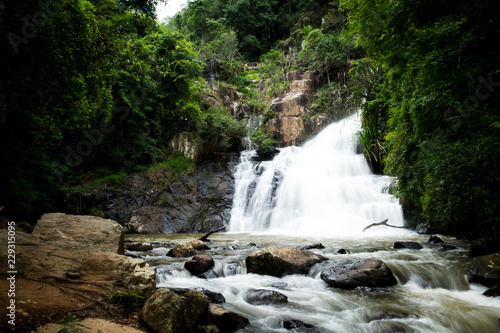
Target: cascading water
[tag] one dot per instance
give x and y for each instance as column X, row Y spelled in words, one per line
column 323, row 188
column 324, row 192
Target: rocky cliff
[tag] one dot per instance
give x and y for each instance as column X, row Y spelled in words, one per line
column 288, row 126
column 152, row 203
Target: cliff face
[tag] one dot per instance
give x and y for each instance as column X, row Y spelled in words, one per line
column 288, row 126
column 197, row 202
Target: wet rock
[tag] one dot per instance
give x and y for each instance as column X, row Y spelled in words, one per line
column 280, row 261
column 342, row 251
column 485, row 270
column 297, row 326
column 435, row 240
column 408, row 245
column 182, row 250
column 197, row 244
column 447, row 247
column 166, row 311
column 139, row 247
column 212, row 296
column 252, row 244
column 161, row 244
column 265, row 297
column 371, row 272
column 390, row 315
column 312, row 246
column 225, row 320
column 199, row 264
column 232, row 247
column 278, row 285
column 364, row 289
column 427, row 228
column 493, row 291
column 90, row 231
column 208, row 329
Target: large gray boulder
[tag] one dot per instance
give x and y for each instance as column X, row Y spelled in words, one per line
column 371, row 272
column 90, row 231
column 166, row 311
column 280, row 261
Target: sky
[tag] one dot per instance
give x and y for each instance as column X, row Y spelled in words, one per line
column 170, row 9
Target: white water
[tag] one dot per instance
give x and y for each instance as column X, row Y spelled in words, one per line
column 323, row 188
column 324, row 192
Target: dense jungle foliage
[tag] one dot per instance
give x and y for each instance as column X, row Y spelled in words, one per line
column 95, row 88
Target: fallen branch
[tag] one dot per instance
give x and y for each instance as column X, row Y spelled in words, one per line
column 205, row 236
column 381, row 223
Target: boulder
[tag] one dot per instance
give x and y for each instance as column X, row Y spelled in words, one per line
column 297, row 326
column 280, row 261
column 225, row 320
column 447, row 247
column 435, row 240
column 166, row 311
column 408, row 245
column 139, row 247
column 341, row 251
column 312, row 246
column 371, row 272
column 91, row 231
column 212, row 296
column 265, row 297
column 182, row 250
column 278, row 285
column 485, row 270
column 197, row 244
column 493, row 291
column 199, row 264
column 36, row 259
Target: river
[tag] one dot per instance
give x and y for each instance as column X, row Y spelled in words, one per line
column 324, row 192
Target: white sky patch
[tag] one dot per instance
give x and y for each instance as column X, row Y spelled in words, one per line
column 172, row 7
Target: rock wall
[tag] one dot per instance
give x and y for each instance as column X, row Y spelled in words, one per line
column 195, row 203
column 287, row 125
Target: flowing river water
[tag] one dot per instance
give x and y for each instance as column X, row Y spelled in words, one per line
column 325, row 192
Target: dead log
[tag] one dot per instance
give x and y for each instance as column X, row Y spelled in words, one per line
column 205, row 236
column 381, row 223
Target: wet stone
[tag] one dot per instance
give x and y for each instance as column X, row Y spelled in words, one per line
column 312, row 246
column 435, row 240
column 297, row 326
column 265, row 297
column 408, row 245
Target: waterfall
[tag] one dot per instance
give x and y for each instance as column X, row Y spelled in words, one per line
column 324, row 188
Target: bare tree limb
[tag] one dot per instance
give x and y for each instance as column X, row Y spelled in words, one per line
column 381, row 223
column 205, row 236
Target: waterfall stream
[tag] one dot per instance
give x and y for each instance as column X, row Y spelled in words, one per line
column 322, row 188
column 325, row 192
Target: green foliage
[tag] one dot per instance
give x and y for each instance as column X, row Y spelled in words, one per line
column 130, row 300
column 329, row 102
column 70, row 324
column 261, row 138
column 219, row 124
column 176, row 165
column 422, row 96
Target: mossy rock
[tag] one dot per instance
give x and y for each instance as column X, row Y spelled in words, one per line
column 485, row 270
